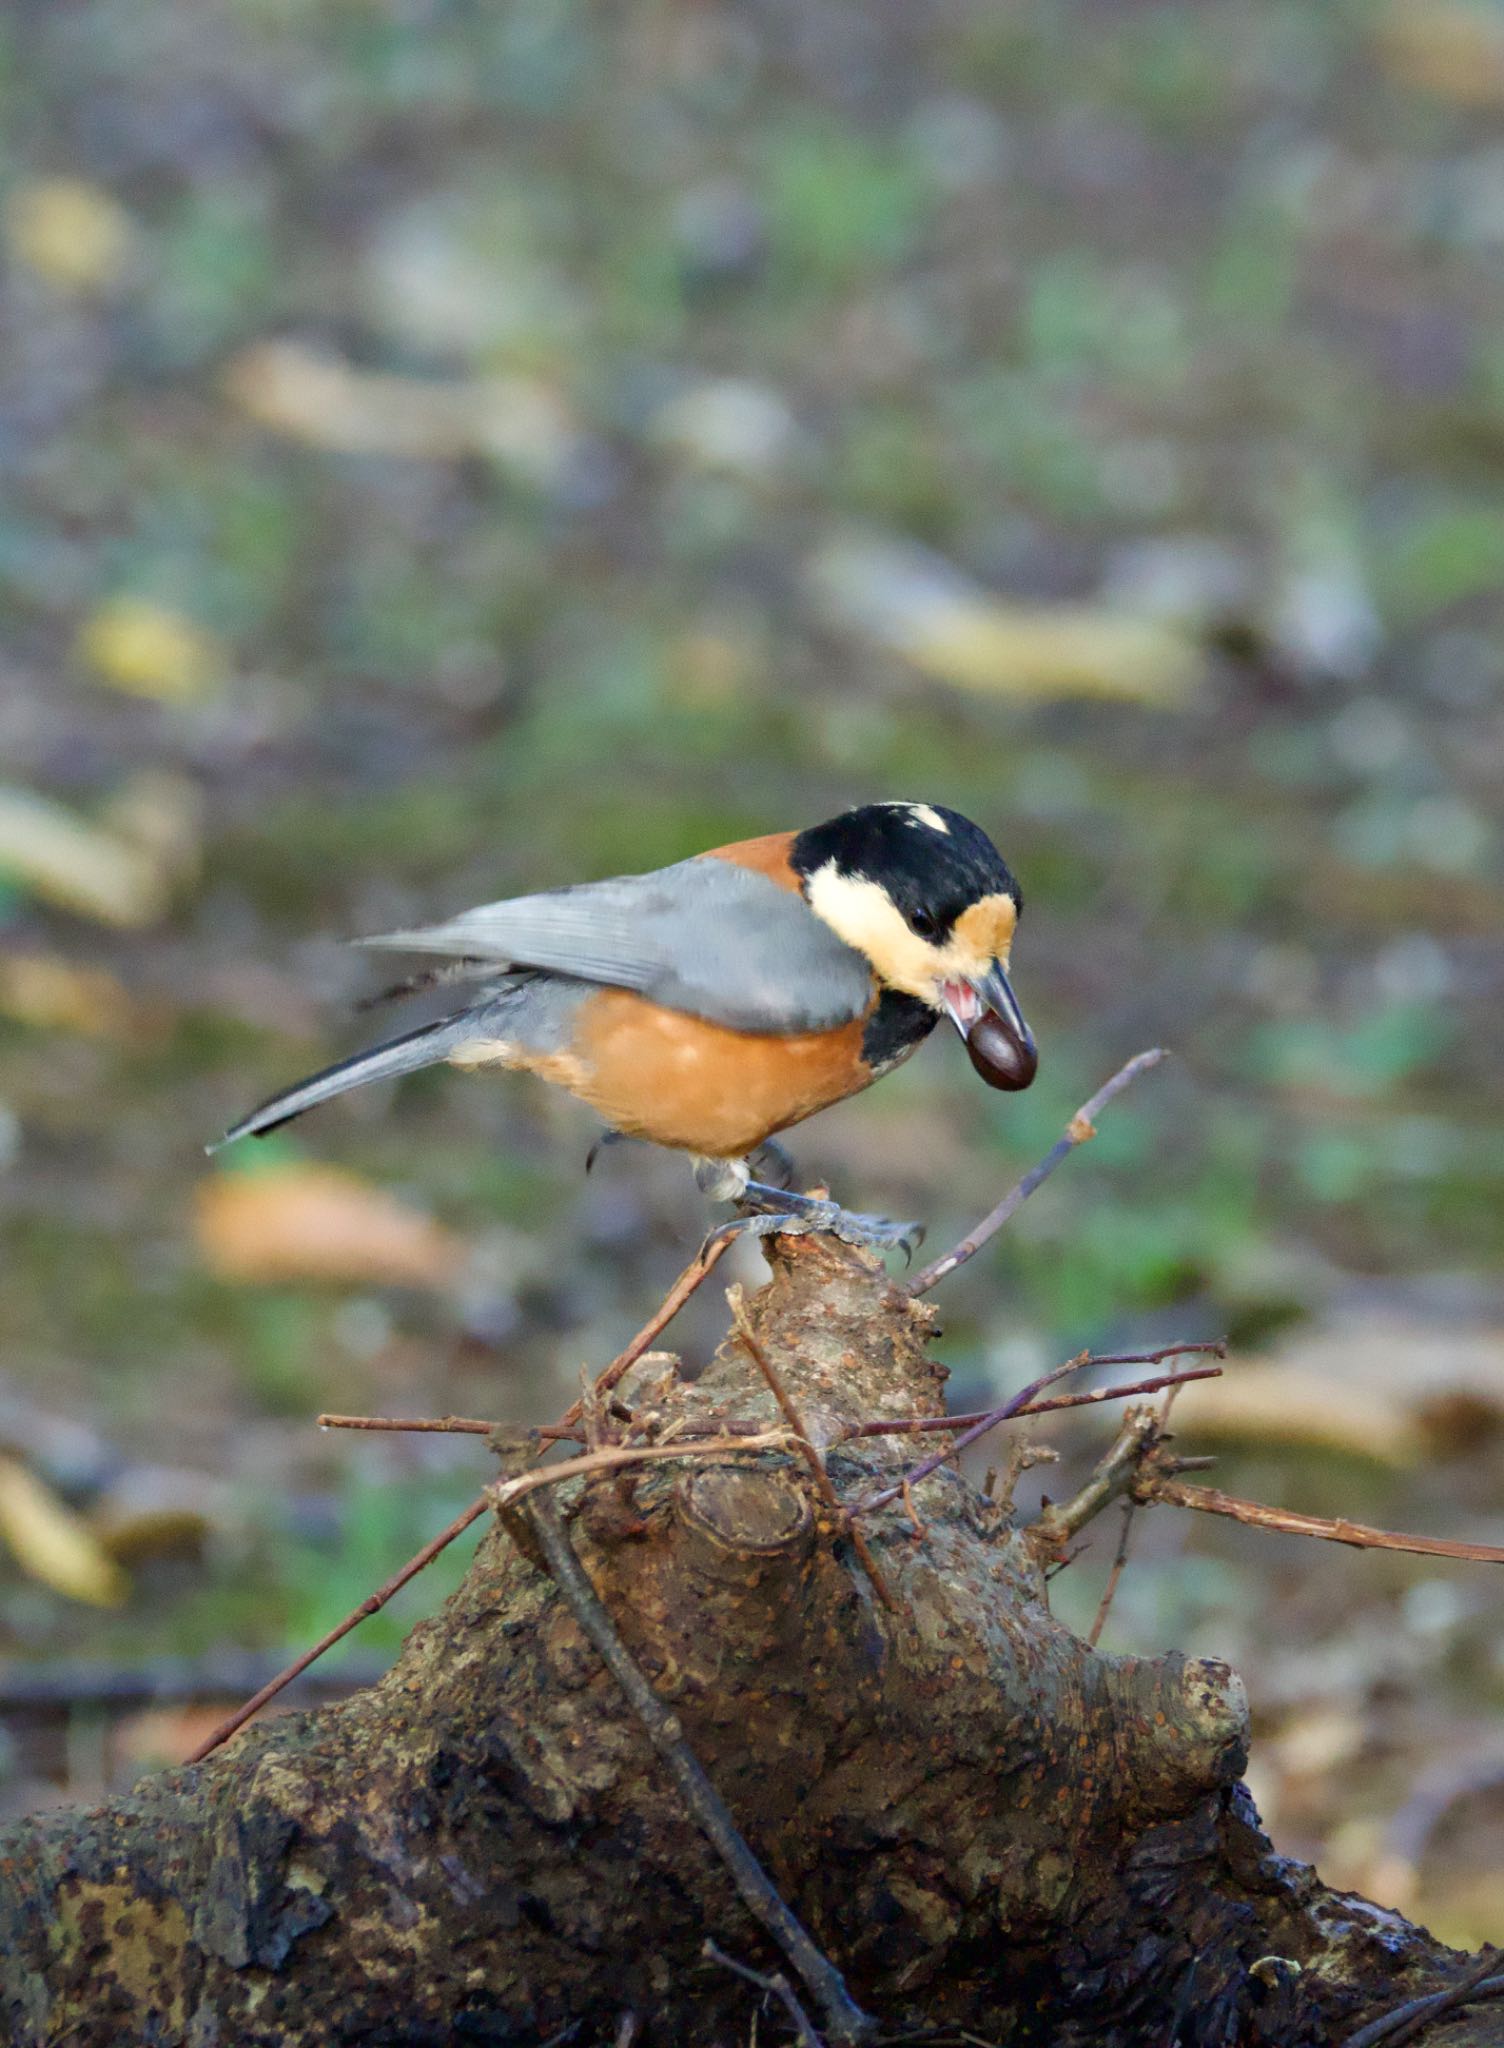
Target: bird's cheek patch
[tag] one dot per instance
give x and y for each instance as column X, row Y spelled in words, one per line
column 984, row 933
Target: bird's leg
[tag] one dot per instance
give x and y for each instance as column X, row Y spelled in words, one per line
column 776, row 1162
column 780, row 1212
column 609, row 1136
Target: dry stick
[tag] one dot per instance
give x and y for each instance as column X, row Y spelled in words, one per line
column 505, row 1493
column 916, row 1425
column 1081, row 1127
column 469, row 1425
column 457, row 1425
column 1104, row 1606
column 928, row 1425
column 1404, row 2022
column 812, row 1457
column 1014, row 1406
column 777, row 1985
column 846, row 2022
column 370, row 1605
column 1177, row 1494
column 699, row 1269
column 1130, row 1507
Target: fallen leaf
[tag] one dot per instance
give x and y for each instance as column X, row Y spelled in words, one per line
column 328, row 403
column 51, row 1543
column 158, row 1738
column 915, row 604
column 1447, row 48
column 148, row 650
column 1379, row 1384
column 72, row 233
column 76, row 865
column 1294, row 1406
column 161, row 814
column 52, row 994
column 728, row 424
column 303, row 1222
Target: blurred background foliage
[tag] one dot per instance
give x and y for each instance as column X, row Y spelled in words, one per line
column 452, row 448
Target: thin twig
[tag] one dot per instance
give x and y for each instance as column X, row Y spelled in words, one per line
column 551, row 1432
column 1014, row 1406
column 846, row 2022
column 1404, row 2022
column 1081, row 1127
column 1152, row 1487
column 776, row 1986
column 1104, row 1607
column 372, row 1603
column 698, row 1270
column 456, row 1425
column 923, row 1424
column 554, row 1432
column 505, row 1493
column 758, row 1354
column 928, row 1425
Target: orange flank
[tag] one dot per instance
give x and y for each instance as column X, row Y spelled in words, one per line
column 679, row 1081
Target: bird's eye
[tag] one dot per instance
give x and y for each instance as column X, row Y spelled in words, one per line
column 925, row 923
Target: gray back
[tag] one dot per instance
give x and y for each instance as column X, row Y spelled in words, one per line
column 704, row 936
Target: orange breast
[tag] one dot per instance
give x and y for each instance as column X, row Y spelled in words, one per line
column 676, row 1080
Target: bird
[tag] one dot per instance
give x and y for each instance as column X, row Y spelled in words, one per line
column 710, row 1005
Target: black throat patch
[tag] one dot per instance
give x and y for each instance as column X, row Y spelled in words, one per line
column 896, row 1026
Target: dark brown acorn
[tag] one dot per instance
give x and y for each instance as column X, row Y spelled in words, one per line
column 1000, row 1056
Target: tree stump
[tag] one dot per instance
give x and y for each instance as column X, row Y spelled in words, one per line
column 992, row 1830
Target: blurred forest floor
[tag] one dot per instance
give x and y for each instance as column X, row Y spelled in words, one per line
column 453, row 448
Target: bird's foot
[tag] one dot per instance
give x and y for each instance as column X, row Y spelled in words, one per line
column 779, row 1212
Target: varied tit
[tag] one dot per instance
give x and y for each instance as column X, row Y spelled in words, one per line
column 711, row 1004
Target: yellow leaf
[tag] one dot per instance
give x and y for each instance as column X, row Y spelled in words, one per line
column 1298, row 1408
column 328, row 403
column 76, row 865
column 1448, row 48
column 72, row 233
column 318, row 1223
column 913, row 603
column 52, row 994
column 150, row 651
column 162, row 814
column 51, row 1543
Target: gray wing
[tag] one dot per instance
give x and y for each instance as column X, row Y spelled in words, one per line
column 705, row 936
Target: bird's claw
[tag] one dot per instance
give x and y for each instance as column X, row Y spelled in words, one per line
column 808, row 1215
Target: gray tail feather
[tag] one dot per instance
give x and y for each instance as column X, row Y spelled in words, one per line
column 424, row 1047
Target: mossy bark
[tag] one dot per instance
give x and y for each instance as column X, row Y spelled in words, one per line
column 986, row 1824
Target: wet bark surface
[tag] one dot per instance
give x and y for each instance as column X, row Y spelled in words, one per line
column 984, row 1823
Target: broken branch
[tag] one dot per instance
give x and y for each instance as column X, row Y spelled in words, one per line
column 1151, row 1487
column 372, row 1604
column 759, row 1357
column 1081, row 1127
column 1015, row 1406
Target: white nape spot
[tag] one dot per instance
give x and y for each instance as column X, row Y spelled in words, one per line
column 923, row 814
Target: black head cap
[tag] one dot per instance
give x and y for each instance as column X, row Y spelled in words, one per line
column 931, row 861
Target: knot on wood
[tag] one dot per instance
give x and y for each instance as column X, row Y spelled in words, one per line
column 733, row 1516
